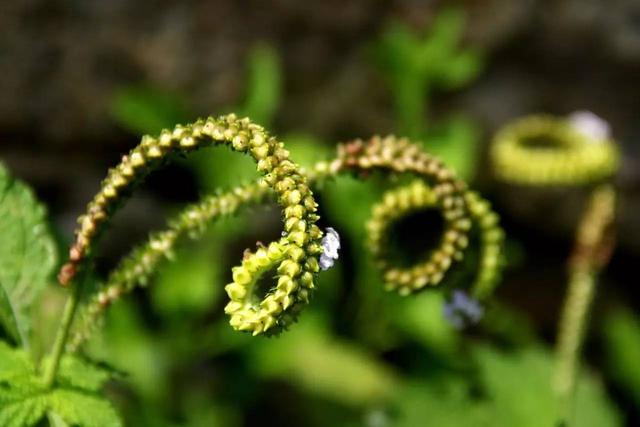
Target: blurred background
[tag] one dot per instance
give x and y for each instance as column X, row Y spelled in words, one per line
column 81, row 81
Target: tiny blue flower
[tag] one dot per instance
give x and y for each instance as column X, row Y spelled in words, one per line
column 330, row 246
column 462, row 310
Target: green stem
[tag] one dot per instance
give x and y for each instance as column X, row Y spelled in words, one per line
column 571, row 337
column 591, row 253
column 51, row 369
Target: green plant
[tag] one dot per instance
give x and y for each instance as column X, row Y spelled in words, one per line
column 417, row 66
column 64, row 386
column 576, row 151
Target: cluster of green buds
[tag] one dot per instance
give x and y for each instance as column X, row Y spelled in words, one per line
column 547, row 150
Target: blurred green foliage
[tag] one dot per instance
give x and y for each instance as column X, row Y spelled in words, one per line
column 621, row 335
column 415, row 66
column 513, row 389
column 359, row 356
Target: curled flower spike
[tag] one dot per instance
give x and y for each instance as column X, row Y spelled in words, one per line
column 295, row 255
column 399, row 203
column 446, row 191
column 330, row 248
column 545, row 150
column 462, row 310
column 417, row 196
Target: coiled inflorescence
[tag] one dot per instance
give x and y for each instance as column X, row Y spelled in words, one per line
column 546, row 150
column 295, row 255
column 399, row 203
column 417, row 196
column 460, row 208
column 294, row 280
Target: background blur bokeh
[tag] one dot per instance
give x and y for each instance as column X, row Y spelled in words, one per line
column 81, row 81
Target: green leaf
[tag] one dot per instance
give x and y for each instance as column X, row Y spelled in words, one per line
column 519, row 388
column 13, row 363
column 512, row 389
column 27, row 255
column 74, row 399
column 83, row 409
column 621, row 333
column 75, row 372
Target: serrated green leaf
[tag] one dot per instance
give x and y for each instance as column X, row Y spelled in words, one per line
column 13, row 363
column 27, row 255
column 24, row 401
column 83, row 409
column 83, row 374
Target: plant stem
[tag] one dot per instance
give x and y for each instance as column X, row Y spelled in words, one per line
column 51, row 369
column 571, row 336
column 590, row 254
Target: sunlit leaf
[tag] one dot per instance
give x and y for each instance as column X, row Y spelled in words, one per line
column 27, row 255
column 74, row 398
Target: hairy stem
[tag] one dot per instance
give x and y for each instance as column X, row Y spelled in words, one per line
column 591, row 253
column 57, row 351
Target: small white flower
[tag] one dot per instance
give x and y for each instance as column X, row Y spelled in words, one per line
column 330, row 246
column 590, row 125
